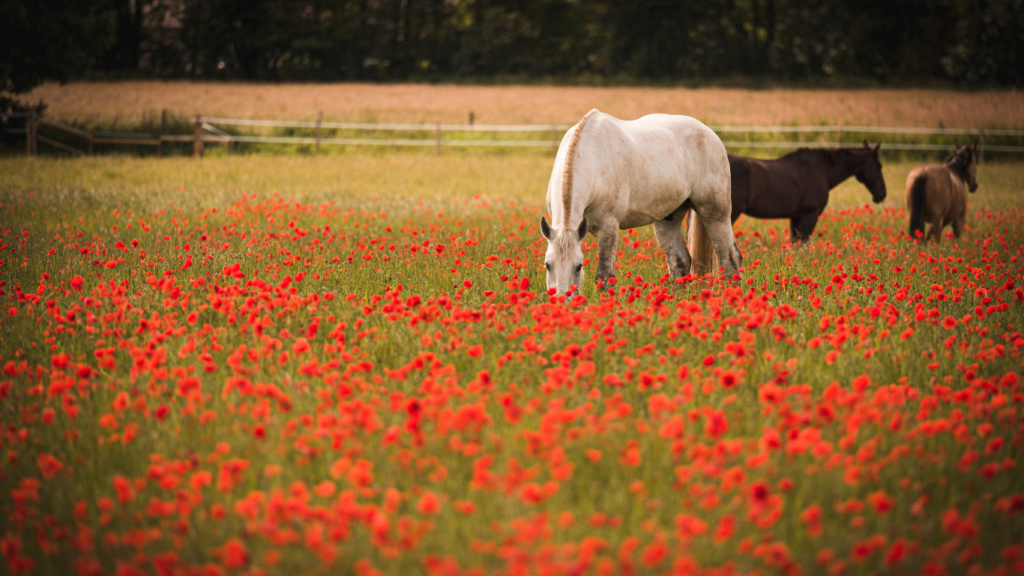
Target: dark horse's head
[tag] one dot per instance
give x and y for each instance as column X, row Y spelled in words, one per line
column 870, row 173
column 964, row 162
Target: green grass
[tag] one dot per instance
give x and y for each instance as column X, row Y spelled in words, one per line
column 396, row 181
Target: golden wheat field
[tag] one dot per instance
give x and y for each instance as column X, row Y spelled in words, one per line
column 128, row 103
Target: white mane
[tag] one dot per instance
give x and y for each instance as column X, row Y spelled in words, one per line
column 570, row 168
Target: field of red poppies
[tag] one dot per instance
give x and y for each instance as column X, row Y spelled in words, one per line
column 227, row 376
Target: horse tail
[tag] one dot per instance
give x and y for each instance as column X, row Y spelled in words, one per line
column 917, row 191
column 702, row 250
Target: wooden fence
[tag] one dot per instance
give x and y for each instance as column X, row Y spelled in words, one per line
column 214, row 130
column 88, row 139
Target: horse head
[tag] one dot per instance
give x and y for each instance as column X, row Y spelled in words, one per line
column 965, row 162
column 870, row 173
column 972, row 167
column 563, row 261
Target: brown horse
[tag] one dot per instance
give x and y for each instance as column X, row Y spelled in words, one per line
column 796, row 186
column 935, row 193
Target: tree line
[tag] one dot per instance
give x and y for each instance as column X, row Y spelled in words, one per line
column 967, row 42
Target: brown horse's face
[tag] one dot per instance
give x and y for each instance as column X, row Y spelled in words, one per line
column 972, row 169
column 870, row 175
column 964, row 162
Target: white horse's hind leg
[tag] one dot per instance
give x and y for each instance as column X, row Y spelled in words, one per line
column 670, row 237
column 722, row 239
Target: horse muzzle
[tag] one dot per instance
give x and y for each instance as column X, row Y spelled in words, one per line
column 973, row 187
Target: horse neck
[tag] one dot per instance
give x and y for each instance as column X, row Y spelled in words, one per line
column 840, row 165
column 958, row 168
column 568, row 219
column 570, row 199
column 959, row 182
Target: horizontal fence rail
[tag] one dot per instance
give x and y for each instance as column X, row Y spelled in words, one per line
column 231, row 131
column 392, row 127
column 870, row 130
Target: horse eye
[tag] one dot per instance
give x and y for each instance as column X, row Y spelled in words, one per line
column 548, row 266
column 579, row 267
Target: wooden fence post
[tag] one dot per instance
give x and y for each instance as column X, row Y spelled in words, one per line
column 981, row 146
column 319, row 120
column 437, row 138
column 197, row 137
column 163, row 130
column 470, row 117
column 840, row 134
column 554, row 139
column 30, row 134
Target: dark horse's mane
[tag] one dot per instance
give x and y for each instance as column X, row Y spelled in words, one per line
column 831, row 155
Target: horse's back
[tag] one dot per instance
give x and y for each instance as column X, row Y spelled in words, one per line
column 675, row 135
column 678, row 123
column 684, row 145
column 769, row 188
column 655, row 152
column 942, row 193
column 915, row 173
column 935, row 173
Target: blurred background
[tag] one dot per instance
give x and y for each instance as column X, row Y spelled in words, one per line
column 180, row 76
column 749, row 43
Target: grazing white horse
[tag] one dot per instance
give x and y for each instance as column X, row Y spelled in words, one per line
column 612, row 175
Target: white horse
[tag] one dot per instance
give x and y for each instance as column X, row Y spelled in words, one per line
column 612, row 175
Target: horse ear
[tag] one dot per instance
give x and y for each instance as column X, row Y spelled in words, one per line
column 581, row 232
column 866, row 143
column 877, row 146
column 544, row 228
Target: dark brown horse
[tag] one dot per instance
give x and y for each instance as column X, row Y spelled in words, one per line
column 796, row 186
column 936, row 195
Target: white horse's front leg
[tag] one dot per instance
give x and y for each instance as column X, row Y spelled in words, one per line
column 607, row 244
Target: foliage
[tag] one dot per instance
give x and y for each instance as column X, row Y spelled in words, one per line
column 968, row 41
column 50, row 40
column 990, row 49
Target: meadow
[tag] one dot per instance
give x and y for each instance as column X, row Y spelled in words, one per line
column 349, row 364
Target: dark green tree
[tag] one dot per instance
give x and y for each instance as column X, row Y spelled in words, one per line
column 989, row 46
column 50, row 40
column 969, row 41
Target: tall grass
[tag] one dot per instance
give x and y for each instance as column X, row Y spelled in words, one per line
column 405, row 181
column 129, row 105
